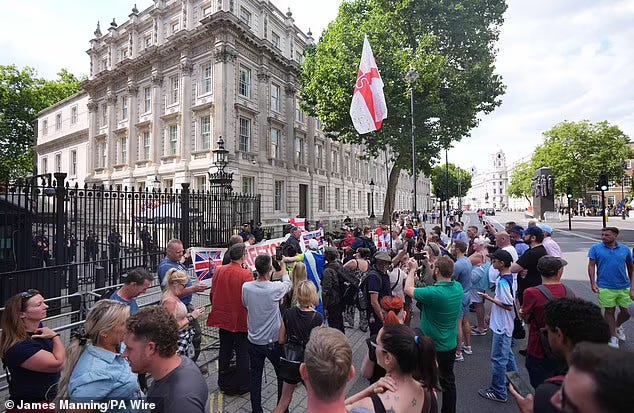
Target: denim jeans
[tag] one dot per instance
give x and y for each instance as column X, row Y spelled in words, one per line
column 502, row 360
column 257, row 355
column 447, row 379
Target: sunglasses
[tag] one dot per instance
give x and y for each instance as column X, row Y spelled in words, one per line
column 30, row 293
column 378, row 347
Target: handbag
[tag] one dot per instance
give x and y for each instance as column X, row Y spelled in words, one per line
column 289, row 363
column 518, row 325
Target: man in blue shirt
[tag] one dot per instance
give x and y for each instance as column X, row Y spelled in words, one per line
column 610, row 272
column 136, row 282
column 462, row 273
column 173, row 255
column 458, row 233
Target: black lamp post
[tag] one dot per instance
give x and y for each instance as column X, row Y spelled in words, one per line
column 220, row 180
column 569, row 196
column 372, row 198
column 156, row 183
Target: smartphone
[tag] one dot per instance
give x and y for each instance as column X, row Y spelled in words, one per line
column 523, row 388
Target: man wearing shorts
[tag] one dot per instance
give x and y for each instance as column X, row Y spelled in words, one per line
column 610, row 272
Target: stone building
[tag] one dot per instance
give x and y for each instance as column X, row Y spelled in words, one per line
column 488, row 187
column 167, row 83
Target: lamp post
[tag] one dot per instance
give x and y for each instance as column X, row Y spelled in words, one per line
column 410, row 77
column 372, row 198
column 219, row 179
column 156, row 184
column 569, row 196
column 447, row 178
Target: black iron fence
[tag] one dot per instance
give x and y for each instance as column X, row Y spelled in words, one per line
column 56, row 237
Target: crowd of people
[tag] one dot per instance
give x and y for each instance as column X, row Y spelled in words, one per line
column 294, row 308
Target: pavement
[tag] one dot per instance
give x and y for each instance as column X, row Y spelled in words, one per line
column 474, row 372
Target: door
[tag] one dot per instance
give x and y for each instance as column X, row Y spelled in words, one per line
column 303, row 202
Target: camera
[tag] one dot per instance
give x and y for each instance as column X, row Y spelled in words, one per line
column 279, row 251
column 420, row 256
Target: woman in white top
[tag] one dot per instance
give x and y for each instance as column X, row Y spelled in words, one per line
column 175, row 284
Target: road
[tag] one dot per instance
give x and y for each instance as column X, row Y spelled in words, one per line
column 474, row 373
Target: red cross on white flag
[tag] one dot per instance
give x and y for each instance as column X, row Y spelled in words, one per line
column 368, row 108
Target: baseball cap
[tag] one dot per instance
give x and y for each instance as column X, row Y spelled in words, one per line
column 546, row 228
column 517, row 229
column 382, row 256
column 409, row 232
column 549, row 265
column 313, row 244
column 503, row 256
column 533, row 230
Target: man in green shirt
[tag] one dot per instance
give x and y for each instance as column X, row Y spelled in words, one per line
column 441, row 309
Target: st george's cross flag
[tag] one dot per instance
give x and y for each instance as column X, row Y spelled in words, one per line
column 368, row 108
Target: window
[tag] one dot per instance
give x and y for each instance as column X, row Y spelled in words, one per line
column 346, row 165
column 73, row 115
column 349, row 200
column 337, row 199
column 58, row 162
column 359, row 201
column 201, row 183
column 206, row 10
column 275, row 39
column 104, row 63
column 205, row 133
column 275, row 97
column 44, row 127
column 45, row 165
column 103, row 153
column 299, row 56
column 173, row 139
column 245, row 16
column 319, row 156
column 321, row 198
column 124, row 107
column 248, row 185
column 205, row 78
column 627, row 181
column 245, row 134
column 123, row 53
column 147, row 41
column 73, row 162
column 277, row 201
column 146, row 144
column 104, row 114
column 245, row 82
column 299, row 115
column 174, row 89
column 147, row 99
column 611, row 200
column 58, row 121
column 174, row 26
column 275, row 143
column 628, row 164
column 299, row 150
column 123, row 150
column 335, row 161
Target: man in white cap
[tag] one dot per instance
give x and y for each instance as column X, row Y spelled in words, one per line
column 551, row 246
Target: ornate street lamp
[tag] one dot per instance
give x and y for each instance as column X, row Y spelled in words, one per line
column 219, row 179
column 156, row 184
column 372, row 198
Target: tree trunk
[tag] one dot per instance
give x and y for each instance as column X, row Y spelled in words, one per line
column 530, row 203
column 390, row 194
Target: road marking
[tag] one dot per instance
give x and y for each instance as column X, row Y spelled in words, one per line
column 564, row 231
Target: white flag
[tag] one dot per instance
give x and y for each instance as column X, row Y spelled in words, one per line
column 368, row 108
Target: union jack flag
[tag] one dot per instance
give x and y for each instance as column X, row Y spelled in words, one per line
column 206, row 262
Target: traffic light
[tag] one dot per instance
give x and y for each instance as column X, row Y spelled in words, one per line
column 569, row 192
column 602, row 183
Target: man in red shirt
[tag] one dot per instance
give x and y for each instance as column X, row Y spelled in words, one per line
column 230, row 316
column 539, row 366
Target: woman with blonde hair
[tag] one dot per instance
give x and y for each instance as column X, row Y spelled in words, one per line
column 94, row 368
column 298, row 275
column 34, row 355
column 176, row 282
column 297, row 324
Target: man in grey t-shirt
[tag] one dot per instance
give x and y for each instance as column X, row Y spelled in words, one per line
column 261, row 298
column 151, row 341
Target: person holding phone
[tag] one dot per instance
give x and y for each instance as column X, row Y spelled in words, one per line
column 501, row 325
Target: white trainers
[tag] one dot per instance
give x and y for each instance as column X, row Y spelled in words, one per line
column 614, row 342
column 620, row 333
column 467, row 350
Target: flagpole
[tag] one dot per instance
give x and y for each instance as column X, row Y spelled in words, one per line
column 389, row 207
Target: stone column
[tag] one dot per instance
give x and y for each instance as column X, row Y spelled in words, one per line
column 224, row 91
column 111, row 99
column 185, row 126
column 91, row 148
column 156, row 127
column 264, row 96
column 133, row 119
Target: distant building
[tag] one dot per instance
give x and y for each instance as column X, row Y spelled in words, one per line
column 488, row 187
column 167, row 83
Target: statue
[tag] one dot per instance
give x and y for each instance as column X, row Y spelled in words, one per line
column 551, row 184
column 543, row 185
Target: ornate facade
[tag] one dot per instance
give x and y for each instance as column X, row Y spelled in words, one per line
column 167, row 83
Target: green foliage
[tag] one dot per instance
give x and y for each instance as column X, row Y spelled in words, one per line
column 520, row 185
column 459, row 180
column 578, row 152
column 451, row 46
column 22, row 96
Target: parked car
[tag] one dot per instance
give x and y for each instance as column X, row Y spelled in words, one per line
column 489, row 211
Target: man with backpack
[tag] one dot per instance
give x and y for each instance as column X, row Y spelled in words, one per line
column 332, row 285
column 376, row 286
column 539, row 366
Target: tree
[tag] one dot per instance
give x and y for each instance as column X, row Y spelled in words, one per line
column 22, row 96
column 520, row 185
column 578, row 152
column 450, row 44
column 459, row 181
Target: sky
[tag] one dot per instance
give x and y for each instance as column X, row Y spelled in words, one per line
column 560, row 60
